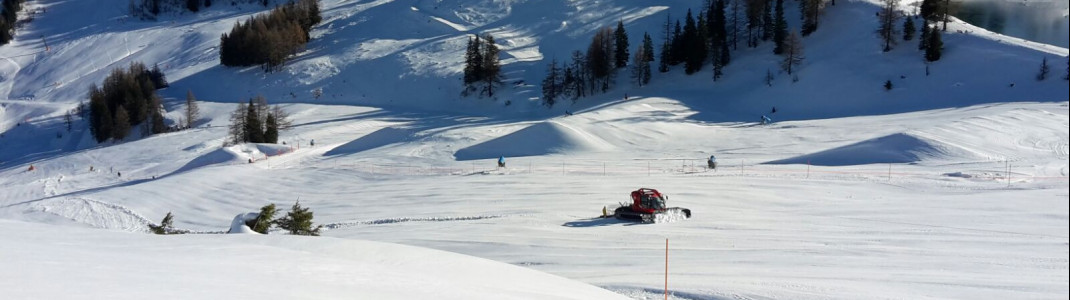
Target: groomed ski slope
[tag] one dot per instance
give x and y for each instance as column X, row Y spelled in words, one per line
column 949, row 186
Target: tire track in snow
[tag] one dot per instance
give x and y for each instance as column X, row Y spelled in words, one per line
column 92, row 212
column 403, row 220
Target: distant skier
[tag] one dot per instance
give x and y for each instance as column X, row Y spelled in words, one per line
column 766, row 120
column 501, row 161
column 312, row 142
column 712, row 162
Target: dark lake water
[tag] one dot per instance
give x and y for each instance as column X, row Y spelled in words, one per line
column 1043, row 21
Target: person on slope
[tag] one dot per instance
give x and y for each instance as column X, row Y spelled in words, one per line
column 501, row 161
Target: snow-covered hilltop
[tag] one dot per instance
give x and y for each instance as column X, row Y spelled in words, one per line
column 952, row 183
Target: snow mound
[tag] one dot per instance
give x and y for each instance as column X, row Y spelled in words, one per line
column 895, row 148
column 238, row 224
column 376, row 139
column 214, row 157
column 539, row 139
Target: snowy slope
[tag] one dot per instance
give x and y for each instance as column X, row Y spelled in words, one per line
column 948, row 186
column 95, row 264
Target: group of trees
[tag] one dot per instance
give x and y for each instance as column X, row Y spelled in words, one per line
column 10, row 13
column 298, row 221
column 707, row 39
column 482, row 66
column 932, row 12
column 256, row 122
column 269, row 39
column 127, row 98
column 595, row 70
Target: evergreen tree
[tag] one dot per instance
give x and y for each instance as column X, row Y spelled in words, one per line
column 754, row 20
column 271, row 131
column 793, row 53
column 1043, row 73
column 298, row 221
column 264, row 219
column 69, row 120
column 666, row 49
column 780, row 28
column 121, row 126
column 620, row 38
column 677, row 48
column 253, row 132
column 694, row 51
column 648, row 48
column 207, row 3
column 473, row 63
column 551, row 85
column 166, row 226
column 193, row 111
column 908, row 28
column 887, row 20
column 491, row 68
column 935, row 47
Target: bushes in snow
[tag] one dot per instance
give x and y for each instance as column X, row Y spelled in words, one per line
column 166, row 226
column 298, row 221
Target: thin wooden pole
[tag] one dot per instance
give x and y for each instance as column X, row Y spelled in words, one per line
column 666, row 269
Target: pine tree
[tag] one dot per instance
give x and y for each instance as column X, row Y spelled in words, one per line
column 694, row 52
column 887, row 85
column 666, row 49
column 298, row 221
column 1043, row 74
column 551, row 84
column 620, row 44
column 121, row 126
column 648, row 48
column 473, row 64
column 491, row 67
column 888, row 17
column 780, row 28
column 908, row 29
column 677, row 48
column 793, row 53
column 166, row 226
column 264, row 219
column 193, row 111
column 253, row 132
column 271, row 131
column 282, row 118
column 1067, row 75
column 935, row 47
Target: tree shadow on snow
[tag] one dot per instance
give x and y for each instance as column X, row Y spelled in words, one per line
column 598, row 222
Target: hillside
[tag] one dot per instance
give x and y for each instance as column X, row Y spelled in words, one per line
column 950, row 185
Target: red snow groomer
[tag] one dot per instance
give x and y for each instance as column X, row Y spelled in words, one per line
column 648, row 206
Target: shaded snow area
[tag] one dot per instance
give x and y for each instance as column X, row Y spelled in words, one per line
column 951, row 185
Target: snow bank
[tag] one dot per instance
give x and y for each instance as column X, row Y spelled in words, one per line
column 539, row 139
column 895, row 148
